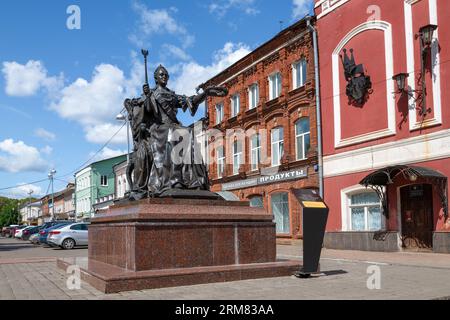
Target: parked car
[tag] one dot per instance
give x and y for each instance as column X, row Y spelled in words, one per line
column 19, row 232
column 34, row 238
column 44, row 232
column 6, row 231
column 68, row 237
column 27, row 232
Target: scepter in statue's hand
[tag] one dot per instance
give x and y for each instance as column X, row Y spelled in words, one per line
column 145, row 54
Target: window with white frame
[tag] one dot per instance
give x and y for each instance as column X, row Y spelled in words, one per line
column 220, row 161
column 299, row 73
column 277, row 145
column 219, row 113
column 364, row 211
column 255, row 151
column 274, row 85
column 237, row 156
column 235, row 107
column 280, row 210
column 103, row 181
column 253, row 96
column 302, row 138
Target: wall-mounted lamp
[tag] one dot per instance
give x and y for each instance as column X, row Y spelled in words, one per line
column 426, row 38
column 426, row 34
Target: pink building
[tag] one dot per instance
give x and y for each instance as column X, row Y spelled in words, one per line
column 395, row 138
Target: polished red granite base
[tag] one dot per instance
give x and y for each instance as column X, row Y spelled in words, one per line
column 157, row 243
column 111, row 279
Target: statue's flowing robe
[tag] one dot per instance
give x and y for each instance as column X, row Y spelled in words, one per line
column 175, row 162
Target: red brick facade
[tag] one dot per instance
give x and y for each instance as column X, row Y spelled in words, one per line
column 276, row 55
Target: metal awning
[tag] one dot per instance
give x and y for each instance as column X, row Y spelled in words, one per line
column 381, row 178
column 227, row 195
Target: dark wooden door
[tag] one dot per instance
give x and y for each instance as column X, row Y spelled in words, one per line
column 417, row 216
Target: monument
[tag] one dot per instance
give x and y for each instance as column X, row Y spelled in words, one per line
column 171, row 230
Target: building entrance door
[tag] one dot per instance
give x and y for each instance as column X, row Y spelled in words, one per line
column 280, row 210
column 417, row 216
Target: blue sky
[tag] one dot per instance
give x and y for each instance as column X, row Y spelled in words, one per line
column 61, row 89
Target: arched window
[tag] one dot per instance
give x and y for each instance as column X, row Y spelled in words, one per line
column 256, row 202
column 302, row 138
column 280, row 210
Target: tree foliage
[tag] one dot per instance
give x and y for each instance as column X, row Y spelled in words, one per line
column 9, row 210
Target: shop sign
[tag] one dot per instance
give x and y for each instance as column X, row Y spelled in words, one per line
column 273, row 178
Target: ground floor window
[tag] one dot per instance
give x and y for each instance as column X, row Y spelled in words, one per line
column 365, row 212
column 256, row 202
column 280, row 210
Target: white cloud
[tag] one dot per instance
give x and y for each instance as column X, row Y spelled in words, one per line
column 302, row 8
column 44, row 134
column 22, row 190
column 174, row 51
column 107, row 153
column 95, row 103
column 19, row 157
column 47, row 150
column 27, row 80
column 159, row 22
column 102, row 132
column 197, row 74
column 221, row 7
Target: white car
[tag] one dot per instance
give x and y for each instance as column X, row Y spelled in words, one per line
column 69, row 236
column 19, row 232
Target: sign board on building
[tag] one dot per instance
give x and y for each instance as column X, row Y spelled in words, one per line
column 273, row 178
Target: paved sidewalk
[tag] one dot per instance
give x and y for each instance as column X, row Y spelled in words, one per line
column 345, row 276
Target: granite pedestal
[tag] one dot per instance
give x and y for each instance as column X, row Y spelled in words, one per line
column 156, row 243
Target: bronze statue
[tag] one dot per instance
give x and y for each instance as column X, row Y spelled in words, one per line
column 164, row 157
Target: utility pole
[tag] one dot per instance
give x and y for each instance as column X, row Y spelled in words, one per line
column 51, row 176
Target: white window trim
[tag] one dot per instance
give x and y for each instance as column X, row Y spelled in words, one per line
column 257, row 150
column 274, row 75
column 294, row 66
column 219, row 111
column 303, row 138
column 220, row 161
column 250, row 93
column 235, row 104
column 238, row 155
column 346, row 209
column 272, row 142
column 101, row 182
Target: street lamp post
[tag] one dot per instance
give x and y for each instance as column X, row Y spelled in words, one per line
column 51, row 176
column 122, row 117
column 29, row 204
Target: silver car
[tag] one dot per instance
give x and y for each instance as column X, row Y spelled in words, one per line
column 69, row 236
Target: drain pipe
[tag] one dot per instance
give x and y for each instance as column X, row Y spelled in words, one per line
column 313, row 31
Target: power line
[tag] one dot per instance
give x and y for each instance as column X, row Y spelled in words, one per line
column 73, row 171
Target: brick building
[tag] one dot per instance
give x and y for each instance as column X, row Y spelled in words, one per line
column 262, row 139
column 386, row 160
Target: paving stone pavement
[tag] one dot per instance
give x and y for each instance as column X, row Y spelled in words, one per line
column 344, row 276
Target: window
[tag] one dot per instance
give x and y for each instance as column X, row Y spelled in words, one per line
column 253, row 96
column 256, row 202
column 220, row 162
column 365, row 211
column 302, row 138
column 299, row 73
column 76, row 227
column 219, row 113
column 277, row 146
column 237, row 156
column 255, row 149
column 104, row 181
column 274, row 86
column 235, row 105
column 280, row 210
